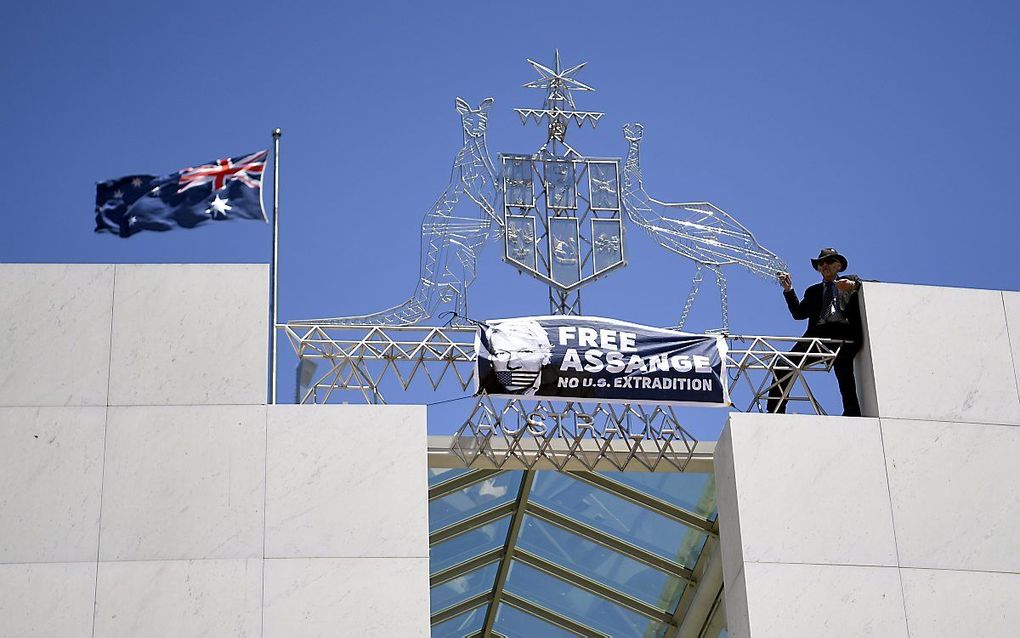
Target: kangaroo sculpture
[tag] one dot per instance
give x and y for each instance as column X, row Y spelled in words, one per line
column 451, row 238
column 699, row 231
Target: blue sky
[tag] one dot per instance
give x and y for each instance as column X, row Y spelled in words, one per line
column 887, row 129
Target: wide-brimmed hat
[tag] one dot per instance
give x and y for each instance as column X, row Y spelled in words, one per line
column 829, row 253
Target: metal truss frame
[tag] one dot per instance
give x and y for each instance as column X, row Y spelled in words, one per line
column 759, row 362
column 441, row 456
column 565, row 302
column 691, row 601
column 360, row 358
column 501, row 433
column 620, row 436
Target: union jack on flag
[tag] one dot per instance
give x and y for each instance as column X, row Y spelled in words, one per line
column 247, row 169
column 229, row 188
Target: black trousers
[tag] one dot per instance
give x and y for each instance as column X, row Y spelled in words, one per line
column 843, row 366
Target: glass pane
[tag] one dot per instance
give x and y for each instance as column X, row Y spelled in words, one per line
column 564, row 247
column 601, row 564
column 514, row 623
column 603, row 179
column 468, row 545
column 493, row 491
column 618, row 517
column 463, row 587
column 560, row 185
column 462, row 625
column 695, row 492
column 519, row 175
column 439, row 475
column 520, row 240
column 577, row 604
column 607, row 238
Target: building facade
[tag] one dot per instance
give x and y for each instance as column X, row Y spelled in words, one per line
column 146, row 489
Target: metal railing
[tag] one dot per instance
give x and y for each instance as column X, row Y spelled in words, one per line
column 367, row 363
column 362, row 359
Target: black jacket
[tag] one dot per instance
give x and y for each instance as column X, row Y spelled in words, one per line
column 810, row 308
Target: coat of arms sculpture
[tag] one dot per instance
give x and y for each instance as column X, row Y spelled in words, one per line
column 560, row 215
column 562, row 212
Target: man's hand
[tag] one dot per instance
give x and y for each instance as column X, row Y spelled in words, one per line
column 846, row 284
column 785, row 280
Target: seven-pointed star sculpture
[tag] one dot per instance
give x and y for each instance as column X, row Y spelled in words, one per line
column 557, row 82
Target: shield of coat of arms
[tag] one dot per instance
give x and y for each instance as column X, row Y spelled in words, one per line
column 562, row 217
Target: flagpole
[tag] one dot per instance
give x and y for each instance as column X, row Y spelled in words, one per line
column 275, row 266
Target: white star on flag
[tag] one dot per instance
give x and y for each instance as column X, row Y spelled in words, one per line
column 136, row 182
column 118, row 193
column 218, row 208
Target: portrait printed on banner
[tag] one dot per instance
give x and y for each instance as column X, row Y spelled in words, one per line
column 517, row 350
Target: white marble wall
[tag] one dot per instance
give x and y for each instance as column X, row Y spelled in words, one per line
column 199, row 511
column 329, row 467
column 903, row 524
column 55, row 334
column 147, row 490
column 184, row 482
column 1011, row 302
column 942, row 354
column 834, row 601
column 326, row 597
column 787, row 519
column 346, row 535
column 51, row 475
column 880, row 527
column 128, row 334
column 172, row 598
column 47, row 600
column 189, row 334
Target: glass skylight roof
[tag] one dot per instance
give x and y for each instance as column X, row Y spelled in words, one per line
column 536, row 554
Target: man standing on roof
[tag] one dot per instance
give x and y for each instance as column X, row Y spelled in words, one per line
column 832, row 309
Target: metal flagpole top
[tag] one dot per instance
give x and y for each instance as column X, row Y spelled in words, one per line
column 277, row 132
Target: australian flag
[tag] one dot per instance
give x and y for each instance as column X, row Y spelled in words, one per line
column 222, row 190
